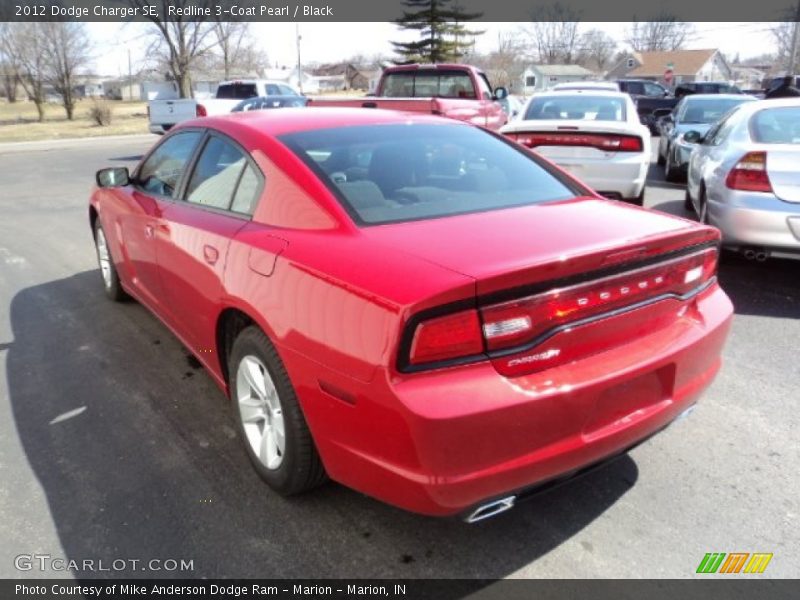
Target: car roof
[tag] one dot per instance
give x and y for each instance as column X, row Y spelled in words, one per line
column 745, row 97
column 584, row 92
column 291, row 120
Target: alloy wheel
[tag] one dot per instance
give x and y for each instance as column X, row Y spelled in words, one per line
column 261, row 412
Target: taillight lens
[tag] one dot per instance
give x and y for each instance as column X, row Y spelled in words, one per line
column 519, row 322
column 446, row 338
column 601, row 141
column 201, row 111
column 750, row 174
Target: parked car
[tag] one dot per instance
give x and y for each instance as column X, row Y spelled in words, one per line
column 512, row 105
column 595, row 135
column 165, row 114
column 418, row 308
column 693, row 113
column 648, row 96
column 705, row 87
column 609, row 86
column 461, row 92
column 266, row 102
column 743, row 178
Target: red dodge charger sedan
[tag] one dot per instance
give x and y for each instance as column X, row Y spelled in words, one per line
column 415, row 307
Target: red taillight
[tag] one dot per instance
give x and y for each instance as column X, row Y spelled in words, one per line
column 750, row 174
column 515, row 326
column 201, row 111
column 446, row 338
column 519, row 322
column 601, row 141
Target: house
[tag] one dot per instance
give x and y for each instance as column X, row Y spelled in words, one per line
column 537, row 78
column 353, row 76
column 748, row 78
column 686, row 66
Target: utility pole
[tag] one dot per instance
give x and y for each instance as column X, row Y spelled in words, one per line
column 130, row 77
column 299, row 64
column 793, row 51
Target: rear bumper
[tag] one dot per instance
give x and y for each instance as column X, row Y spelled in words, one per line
column 623, row 176
column 756, row 219
column 159, row 129
column 439, row 443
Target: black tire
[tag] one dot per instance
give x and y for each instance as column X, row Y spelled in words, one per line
column 687, row 201
column 111, row 284
column 660, row 159
column 639, row 200
column 300, row 467
column 671, row 174
column 702, row 206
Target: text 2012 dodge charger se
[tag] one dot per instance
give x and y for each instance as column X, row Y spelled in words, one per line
column 417, row 308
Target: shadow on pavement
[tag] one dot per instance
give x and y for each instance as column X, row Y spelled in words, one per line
column 139, row 459
column 770, row 289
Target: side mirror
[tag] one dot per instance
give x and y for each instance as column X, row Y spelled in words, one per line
column 693, row 137
column 500, row 93
column 113, row 177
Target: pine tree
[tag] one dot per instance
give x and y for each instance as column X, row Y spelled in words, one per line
column 443, row 36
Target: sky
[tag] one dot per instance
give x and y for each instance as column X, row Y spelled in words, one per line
column 329, row 42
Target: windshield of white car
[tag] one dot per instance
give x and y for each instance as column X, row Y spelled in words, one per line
column 404, row 172
column 779, row 125
column 576, row 108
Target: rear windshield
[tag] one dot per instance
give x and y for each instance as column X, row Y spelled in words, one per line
column 427, row 84
column 236, row 91
column 779, row 125
column 580, row 108
column 404, row 172
column 708, row 110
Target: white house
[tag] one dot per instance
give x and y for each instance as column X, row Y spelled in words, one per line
column 537, row 78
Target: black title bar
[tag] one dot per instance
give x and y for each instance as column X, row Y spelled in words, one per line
column 390, row 10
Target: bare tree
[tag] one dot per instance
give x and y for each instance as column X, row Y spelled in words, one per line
column 9, row 69
column 554, row 34
column 236, row 49
column 596, row 50
column 664, row 34
column 67, row 51
column 182, row 41
column 23, row 46
column 505, row 65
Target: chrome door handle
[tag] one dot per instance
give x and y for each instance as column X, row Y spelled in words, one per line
column 148, row 231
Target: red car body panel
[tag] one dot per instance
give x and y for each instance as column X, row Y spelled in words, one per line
column 336, row 298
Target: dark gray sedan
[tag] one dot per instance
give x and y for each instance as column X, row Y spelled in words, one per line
column 693, row 113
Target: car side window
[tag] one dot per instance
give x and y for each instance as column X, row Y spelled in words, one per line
column 652, row 89
column 246, row 196
column 223, row 178
column 717, row 134
column 286, row 90
column 272, row 90
column 636, row 88
column 161, row 172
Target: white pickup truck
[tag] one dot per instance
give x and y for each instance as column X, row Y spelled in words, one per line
column 164, row 114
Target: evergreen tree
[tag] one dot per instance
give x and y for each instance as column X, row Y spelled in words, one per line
column 443, row 36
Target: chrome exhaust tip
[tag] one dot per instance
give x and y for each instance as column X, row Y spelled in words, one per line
column 750, row 254
column 491, row 509
column 762, row 256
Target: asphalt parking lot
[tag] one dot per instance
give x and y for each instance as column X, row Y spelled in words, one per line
column 113, row 444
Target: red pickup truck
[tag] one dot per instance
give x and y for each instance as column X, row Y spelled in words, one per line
column 461, row 92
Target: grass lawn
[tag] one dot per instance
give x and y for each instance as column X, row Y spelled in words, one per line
column 18, row 121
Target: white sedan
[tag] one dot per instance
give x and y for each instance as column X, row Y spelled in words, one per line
column 595, row 135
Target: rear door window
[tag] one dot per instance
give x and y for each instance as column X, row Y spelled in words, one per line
column 223, row 178
column 161, row 172
column 776, row 125
column 236, row 91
